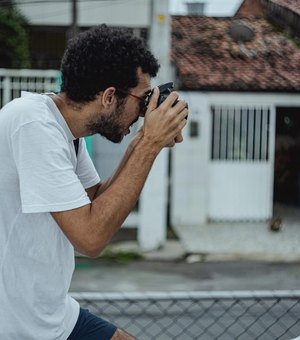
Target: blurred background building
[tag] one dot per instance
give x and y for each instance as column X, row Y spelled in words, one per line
column 236, row 176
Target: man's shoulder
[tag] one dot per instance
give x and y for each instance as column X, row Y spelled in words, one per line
column 28, row 108
column 31, row 101
column 27, row 101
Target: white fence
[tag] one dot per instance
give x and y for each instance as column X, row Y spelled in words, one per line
column 150, row 219
column 12, row 82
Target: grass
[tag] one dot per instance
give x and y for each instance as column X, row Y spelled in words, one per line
column 121, row 256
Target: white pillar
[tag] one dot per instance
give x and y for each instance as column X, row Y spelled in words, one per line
column 160, row 38
column 153, row 206
column 153, row 202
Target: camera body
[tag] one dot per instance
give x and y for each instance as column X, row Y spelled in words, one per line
column 164, row 91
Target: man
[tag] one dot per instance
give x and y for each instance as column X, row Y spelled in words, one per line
column 52, row 200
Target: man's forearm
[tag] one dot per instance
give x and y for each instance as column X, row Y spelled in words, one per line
column 110, row 209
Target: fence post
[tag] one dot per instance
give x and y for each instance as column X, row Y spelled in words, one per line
column 6, row 83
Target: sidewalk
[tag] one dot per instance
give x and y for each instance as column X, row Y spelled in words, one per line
column 224, row 242
column 242, row 241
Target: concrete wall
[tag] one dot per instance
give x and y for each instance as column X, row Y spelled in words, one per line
column 190, row 165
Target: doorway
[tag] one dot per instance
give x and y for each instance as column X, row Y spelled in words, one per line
column 242, row 164
column 287, row 157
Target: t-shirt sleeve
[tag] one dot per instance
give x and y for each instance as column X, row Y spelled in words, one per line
column 85, row 168
column 47, row 178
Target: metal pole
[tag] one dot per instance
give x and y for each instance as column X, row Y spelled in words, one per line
column 73, row 30
column 74, row 26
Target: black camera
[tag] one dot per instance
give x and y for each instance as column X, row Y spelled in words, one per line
column 164, row 91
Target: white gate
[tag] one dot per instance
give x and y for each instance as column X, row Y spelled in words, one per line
column 242, row 163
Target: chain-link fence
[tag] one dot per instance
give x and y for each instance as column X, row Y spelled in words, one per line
column 200, row 315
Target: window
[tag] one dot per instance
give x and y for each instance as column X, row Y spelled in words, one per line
column 240, row 133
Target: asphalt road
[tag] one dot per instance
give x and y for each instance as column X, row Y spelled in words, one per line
column 106, row 276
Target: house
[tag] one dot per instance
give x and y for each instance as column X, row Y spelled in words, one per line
column 240, row 158
column 51, row 26
column 240, row 77
column 49, row 33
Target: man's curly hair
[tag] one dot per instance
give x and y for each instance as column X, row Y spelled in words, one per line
column 102, row 57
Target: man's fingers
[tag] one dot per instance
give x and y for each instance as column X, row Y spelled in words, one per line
column 153, row 100
column 171, row 100
column 170, row 145
column 164, row 123
column 178, row 138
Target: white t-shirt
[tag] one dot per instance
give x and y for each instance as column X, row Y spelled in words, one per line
column 39, row 174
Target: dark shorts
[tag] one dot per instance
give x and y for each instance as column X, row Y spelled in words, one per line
column 91, row 327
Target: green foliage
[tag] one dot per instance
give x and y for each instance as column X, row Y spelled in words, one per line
column 121, row 257
column 14, row 42
column 287, row 33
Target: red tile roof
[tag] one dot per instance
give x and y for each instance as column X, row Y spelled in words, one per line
column 207, row 58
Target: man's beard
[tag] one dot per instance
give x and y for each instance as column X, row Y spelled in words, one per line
column 108, row 125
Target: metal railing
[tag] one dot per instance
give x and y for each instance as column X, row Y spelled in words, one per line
column 12, row 82
column 265, row 315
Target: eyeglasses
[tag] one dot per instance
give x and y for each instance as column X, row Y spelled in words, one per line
column 144, row 100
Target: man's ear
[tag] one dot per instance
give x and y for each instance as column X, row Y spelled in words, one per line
column 108, row 97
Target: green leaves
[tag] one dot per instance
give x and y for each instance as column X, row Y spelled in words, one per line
column 14, row 42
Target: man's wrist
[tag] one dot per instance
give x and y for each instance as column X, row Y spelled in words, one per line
column 149, row 147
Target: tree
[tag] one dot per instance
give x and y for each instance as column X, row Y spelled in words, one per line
column 14, row 42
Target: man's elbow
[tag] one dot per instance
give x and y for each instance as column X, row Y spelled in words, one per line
column 91, row 249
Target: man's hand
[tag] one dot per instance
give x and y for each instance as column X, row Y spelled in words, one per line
column 163, row 124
